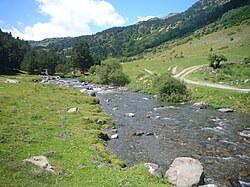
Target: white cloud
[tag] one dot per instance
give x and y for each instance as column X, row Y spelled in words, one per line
column 139, row 18
column 70, row 18
column 1, row 22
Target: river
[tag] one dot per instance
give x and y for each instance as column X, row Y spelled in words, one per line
column 159, row 134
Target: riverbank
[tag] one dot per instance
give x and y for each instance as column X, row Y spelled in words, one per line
column 35, row 121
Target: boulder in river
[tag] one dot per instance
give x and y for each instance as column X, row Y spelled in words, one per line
column 153, row 169
column 185, row 172
column 200, row 105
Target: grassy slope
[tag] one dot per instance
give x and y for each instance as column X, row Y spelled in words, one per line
column 34, row 121
column 196, row 52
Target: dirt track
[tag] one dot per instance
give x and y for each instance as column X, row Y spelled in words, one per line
column 189, row 70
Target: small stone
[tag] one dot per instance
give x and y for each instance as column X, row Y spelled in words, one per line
column 150, row 134
column 42, row 162
column 100, row 122
column 12, row 81
column 73, row 110
column 130, row 114
column 139, row 133
column 104, row 137
column 225, row 110
column 114, row 136
column 201, row 105
column 153, row 169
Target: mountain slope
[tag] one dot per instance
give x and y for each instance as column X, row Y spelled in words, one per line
column 135, row 39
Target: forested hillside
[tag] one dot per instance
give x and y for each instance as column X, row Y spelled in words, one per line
column 134, row 39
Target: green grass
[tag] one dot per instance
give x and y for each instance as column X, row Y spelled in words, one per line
column 195, row 51
column 34, row 121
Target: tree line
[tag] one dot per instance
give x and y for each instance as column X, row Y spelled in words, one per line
column 16, row 54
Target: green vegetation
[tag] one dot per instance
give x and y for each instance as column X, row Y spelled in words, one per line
column 34, row 121
column 233, row 74
column 109, row 72
column 170, row 89
column 215, row 60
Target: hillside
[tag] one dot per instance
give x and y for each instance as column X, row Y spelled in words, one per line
column 141, row 37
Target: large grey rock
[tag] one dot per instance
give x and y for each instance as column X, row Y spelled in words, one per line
column 184, row 172
column 153, row 169
column 42, row 162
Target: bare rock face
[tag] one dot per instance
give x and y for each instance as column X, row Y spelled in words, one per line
column 42, row 162
column 184, row 172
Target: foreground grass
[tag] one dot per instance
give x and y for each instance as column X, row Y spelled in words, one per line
column 34, row 121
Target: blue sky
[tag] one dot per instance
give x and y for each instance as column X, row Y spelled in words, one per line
column 39, row 19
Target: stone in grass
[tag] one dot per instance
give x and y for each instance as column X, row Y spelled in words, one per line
column 185, row 172
column 73, row 110
column 12, row 81
column 42, row 162
column 153, row 169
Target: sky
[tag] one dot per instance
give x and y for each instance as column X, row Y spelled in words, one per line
column 40, row 19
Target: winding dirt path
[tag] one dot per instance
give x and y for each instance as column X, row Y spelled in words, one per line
column 189, row 70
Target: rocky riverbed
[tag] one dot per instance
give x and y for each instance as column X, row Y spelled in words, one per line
column 148, row 132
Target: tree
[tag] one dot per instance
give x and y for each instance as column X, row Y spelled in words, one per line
column 81, row 58
column 215, row 60
column 28, row 64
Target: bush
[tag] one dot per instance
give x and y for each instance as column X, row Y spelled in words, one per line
column 170, row 89
column 110, row 72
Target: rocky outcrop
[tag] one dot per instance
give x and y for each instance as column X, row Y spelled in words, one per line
column 153, row 169
column 185, row 172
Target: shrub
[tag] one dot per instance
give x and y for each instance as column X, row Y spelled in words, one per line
column 215, row 60
column 170, row 89
column 110, row 72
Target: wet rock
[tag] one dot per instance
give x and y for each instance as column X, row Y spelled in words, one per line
column 225, row 110
column 114, row 130
column 104, row 137
column 139, row 133
column 234, row 182
column 153, row 169
column 201, row 105
column 208, row 185
column 12, row 81
column 185, row 172
column 73, row 110
column 42, row 162
column 130, row 114
column 114, row 136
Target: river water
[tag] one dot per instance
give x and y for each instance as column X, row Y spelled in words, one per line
column 159, row 134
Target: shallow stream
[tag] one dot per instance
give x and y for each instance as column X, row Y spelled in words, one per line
column 159, row 134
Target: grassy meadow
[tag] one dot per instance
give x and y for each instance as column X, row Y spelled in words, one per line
column 233, row 42
column 34, row 121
